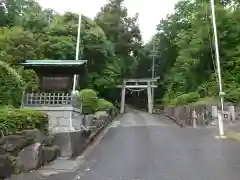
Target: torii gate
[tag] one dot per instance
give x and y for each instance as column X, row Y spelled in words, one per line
column 138, row 84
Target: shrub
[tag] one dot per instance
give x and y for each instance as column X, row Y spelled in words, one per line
column 15, row 120
column 185, row 99
column 88, row 99
column 91, row 103
column 104, row 105
column 11, row 86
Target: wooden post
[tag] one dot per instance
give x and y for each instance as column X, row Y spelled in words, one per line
column 123, row 98
column 149, row 92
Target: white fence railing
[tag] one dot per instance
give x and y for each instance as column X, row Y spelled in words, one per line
column 49, row 99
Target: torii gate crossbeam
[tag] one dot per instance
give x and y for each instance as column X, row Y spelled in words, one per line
column 146, row 83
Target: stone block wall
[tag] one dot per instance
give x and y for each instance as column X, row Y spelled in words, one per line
column 59, row 118
column 237, row 112
column 182, row 115
column 25, row 151
column 205, row 114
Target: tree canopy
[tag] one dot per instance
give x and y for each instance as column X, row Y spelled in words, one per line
column 112, row 44
column 186, row 55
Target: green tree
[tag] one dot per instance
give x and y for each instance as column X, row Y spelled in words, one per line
column 124, row 33
column 17, row 45
column 30, row 32
column 185, row 52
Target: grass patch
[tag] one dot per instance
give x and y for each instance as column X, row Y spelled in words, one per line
column 207, row 100
column 232, row 135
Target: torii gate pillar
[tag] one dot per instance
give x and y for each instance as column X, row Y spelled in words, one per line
column 143, row 83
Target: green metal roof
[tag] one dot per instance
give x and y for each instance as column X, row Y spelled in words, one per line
column 54, row 62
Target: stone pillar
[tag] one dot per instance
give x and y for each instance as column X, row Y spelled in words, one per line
column 194, row 116
column 150, row 104
column 220, row 124
column 231, row 109
column 123, row 98
column 214, row 112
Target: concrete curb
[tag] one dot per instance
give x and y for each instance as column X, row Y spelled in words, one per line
column 91, row 139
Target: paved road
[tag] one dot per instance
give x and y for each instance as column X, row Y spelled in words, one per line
column 143, row 147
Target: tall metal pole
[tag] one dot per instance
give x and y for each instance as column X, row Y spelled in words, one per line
column 77, row 49
column 153, row 73
column 153, row 70
column 71, row 128
column 221, row 93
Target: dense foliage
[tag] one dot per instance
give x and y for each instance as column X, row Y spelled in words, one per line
column 16, row 120
column 11, row 86
column 185, row 58
column 112, row 44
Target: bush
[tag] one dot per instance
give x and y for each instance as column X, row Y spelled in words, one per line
column 88, row 99
column 104, row 105
column 11, row 86
column 15, row 120
column 30, row 78
column 185, row 99
column 233, row 96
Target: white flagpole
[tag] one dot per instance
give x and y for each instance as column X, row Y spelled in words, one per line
column 77, row 49
column 221, row 93
column 75, row 76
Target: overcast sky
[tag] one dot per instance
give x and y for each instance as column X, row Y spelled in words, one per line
column 150, row 11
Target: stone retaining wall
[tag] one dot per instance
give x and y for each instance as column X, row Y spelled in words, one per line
column 182, row 115
column 31, row 149
column 25, row 151
column 205, row 114
column 73, row 143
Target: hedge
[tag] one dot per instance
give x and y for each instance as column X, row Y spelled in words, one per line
column 15, row 120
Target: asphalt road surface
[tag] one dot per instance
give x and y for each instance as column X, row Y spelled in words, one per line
column 140, row 146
